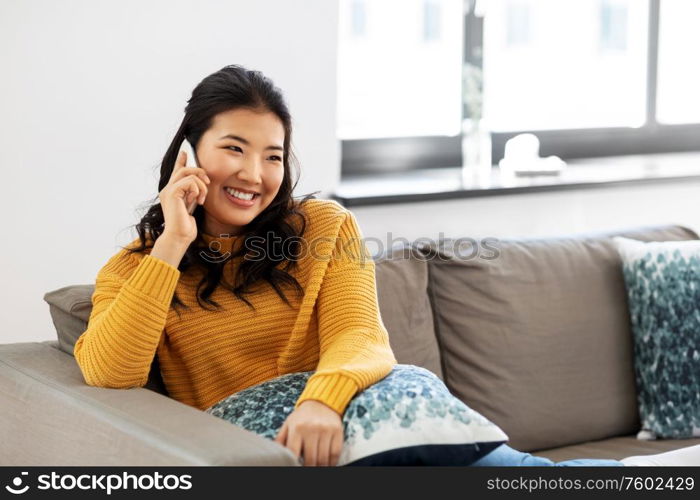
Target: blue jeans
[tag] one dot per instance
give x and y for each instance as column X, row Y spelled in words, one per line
column 505, row 456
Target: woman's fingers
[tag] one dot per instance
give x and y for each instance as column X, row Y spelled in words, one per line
column 294, row 443
column 310, row 449
column 336, row 446
column 180, row 171
column 180, row 161
column 200, row 189
column 192, row 191
column 323, row 451
column 191, row 171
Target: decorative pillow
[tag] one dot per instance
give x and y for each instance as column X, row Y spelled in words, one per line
column 70, row 309
column 663, row 291
column 407, row 418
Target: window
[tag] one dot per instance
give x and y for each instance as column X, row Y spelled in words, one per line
column 589, row 77
column 679, row 77
column 403, row 76
column 400, row 84
column 564, row 65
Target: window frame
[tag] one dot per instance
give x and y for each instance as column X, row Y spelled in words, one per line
column 385, row 155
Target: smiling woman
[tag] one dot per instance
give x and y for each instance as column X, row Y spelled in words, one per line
column 240, row 131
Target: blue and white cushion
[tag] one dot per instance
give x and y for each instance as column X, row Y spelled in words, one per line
column 663, row 292
column 407, row 418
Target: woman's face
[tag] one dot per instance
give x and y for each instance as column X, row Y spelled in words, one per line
column 242, row 150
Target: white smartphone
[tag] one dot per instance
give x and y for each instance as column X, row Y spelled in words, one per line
column 187, row 148
column 190, row 162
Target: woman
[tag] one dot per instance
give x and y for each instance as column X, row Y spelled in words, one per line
column 154, row 296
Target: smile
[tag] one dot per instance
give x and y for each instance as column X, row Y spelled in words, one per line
column 240, row 199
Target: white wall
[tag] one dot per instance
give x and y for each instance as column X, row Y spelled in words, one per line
column 91, row 94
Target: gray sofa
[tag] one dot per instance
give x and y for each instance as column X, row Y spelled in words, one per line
column 532, row 333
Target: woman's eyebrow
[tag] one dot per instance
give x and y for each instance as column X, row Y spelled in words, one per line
column 247, row 143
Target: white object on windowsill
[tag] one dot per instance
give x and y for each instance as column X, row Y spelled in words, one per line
column 522, row 157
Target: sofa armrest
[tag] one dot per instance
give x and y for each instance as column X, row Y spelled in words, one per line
column 50, row 416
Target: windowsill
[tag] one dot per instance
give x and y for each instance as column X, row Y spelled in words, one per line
column 446, row 183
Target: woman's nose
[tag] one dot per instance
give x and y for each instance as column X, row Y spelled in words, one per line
column 250, row 171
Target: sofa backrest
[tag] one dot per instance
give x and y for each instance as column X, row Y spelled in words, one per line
column 537, row 338
column 404, row 305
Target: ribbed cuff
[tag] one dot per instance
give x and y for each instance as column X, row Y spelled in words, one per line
column 155, row 278
column 335, row 390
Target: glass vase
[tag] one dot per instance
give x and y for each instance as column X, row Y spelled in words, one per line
column 476, row 153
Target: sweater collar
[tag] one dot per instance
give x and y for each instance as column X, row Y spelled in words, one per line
column 223, row 243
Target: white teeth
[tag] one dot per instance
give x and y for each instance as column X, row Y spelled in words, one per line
column 239, row 194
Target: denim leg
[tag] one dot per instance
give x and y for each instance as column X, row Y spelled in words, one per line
column 505, row 456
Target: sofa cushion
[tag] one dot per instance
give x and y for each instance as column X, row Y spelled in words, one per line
column 402, row 293
column 70, row 309
column 615, row 448
column 537, row 338
column 663, row 292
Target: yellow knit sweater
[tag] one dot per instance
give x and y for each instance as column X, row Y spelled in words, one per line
column 334, row 329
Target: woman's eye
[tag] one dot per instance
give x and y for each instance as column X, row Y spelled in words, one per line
column 274, row 158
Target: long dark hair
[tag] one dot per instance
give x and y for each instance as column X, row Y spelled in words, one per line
column 230, row 88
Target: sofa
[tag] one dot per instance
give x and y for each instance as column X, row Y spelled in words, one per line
column 533, row 333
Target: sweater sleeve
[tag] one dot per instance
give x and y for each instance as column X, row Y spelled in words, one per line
column 129, row 310
column 354, row 344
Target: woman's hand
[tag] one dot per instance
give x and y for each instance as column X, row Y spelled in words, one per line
column 186, row 185
column 314, row 429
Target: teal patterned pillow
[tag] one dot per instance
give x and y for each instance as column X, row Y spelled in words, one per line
column 407, row 418
column 663, row 292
